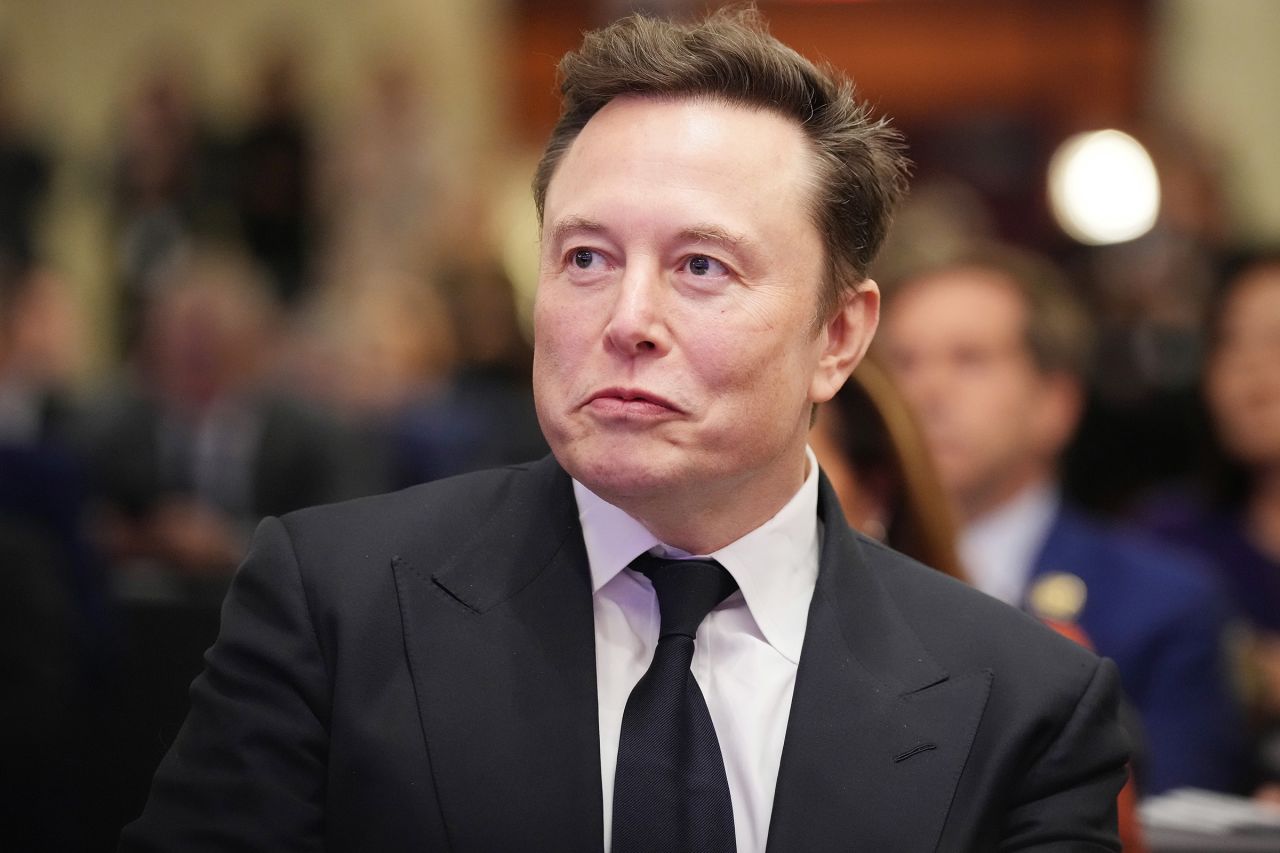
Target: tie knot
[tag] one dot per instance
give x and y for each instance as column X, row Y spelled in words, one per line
column 687, row 590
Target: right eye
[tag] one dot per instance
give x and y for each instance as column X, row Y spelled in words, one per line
column 584, row 259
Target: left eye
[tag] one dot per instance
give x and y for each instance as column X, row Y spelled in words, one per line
column 701, row 265
column 583, row 258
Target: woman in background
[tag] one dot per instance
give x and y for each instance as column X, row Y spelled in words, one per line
column 1235, row 521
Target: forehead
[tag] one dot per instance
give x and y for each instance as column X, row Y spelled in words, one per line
column 1254, row 301
column 685, row 155
column 960, row 303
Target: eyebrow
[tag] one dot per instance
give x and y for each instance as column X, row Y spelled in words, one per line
column 707, row 233
column 573, row 225
column 698, row 232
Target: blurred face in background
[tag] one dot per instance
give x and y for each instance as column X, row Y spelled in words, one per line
column 207, row 333
column 42, row 337
column 1243, row 375
column 955, row 341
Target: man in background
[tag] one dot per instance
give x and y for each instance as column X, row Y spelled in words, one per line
column 991, row 349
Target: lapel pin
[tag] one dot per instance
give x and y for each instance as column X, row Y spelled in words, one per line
column 1058, row 596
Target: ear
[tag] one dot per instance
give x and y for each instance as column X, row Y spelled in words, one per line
column 845, row 339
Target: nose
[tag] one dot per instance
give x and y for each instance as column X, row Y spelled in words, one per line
column 637, row 324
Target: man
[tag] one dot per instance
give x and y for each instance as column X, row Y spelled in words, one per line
column 990, row 350
column 459, row 667
column 186, row 456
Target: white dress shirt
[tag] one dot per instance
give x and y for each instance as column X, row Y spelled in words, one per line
column 746, row 652
column 999, row 550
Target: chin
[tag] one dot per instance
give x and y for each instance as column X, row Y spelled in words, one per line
column 617, row 475
column 632, row 480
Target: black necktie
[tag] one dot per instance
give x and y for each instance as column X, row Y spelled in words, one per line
column 670, row 794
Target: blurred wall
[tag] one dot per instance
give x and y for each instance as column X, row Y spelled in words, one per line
column 1215, row 66
column 76, row 60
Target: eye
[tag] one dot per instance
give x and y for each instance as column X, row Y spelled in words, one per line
column 583, row 259
column 702, row 265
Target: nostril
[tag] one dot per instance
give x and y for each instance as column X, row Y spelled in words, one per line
column 646, row 345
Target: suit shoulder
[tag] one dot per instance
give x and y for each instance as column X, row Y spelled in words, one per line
column 463, row 498
column 966, row 627
column 436, row 518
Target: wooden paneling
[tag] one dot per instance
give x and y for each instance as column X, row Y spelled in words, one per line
column 1071, row 64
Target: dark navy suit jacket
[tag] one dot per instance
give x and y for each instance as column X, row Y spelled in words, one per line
column 1163, row 621
column 416, row 672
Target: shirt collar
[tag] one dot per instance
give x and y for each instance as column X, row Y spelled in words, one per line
column 775, row 565
column 999, row 549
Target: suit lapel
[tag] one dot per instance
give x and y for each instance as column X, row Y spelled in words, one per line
column 878, row 733
column 500, row 642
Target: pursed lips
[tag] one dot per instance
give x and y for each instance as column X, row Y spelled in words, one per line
column 629, row 402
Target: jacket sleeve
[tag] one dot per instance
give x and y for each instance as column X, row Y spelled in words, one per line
column 248, row 768
column 1066, row 801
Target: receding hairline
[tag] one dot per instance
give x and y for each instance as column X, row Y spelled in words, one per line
column 859, row 169
column 808, row 187
column 812, row 172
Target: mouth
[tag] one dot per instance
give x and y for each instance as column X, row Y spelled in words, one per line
column 630, row 402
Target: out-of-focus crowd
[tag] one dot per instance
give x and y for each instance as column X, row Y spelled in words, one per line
column 295, row 325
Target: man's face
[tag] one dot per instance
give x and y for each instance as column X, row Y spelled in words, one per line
column 955, row 342
column 675, row 348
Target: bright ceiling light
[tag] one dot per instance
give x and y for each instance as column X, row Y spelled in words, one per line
column 1103, row 187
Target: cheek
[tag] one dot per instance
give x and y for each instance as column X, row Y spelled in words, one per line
column 763, row 377
column 1223, row 392
column 550, row 357
column 555, row 327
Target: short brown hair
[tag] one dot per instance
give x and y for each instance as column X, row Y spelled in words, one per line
column 1059, row 333
column 730, row 56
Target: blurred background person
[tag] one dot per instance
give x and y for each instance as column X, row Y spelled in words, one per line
column 370, row 343
column 184, row 452
column 167, row 177
column 193, row 446
column 991, row 350
column 383, row 177
column 43, row 352
column 273, row 166
column 26, row 171
column 41, row 326
column 482, row 415
column 1233, row 520
column 55, row 637
column 369, row 347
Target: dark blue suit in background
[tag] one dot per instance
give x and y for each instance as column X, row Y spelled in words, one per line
column 1163, row 621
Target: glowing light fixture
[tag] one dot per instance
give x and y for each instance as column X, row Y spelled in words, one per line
column 1103, row 187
